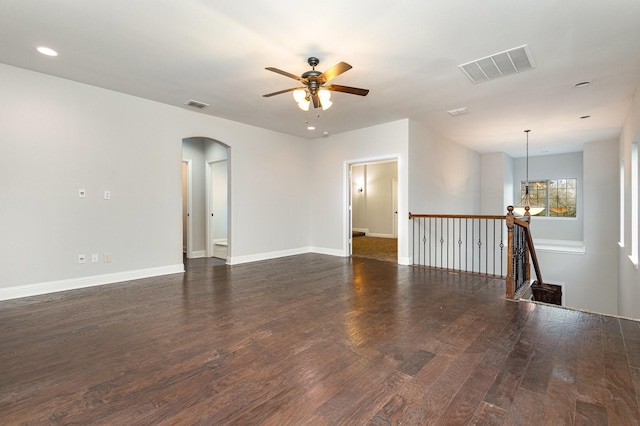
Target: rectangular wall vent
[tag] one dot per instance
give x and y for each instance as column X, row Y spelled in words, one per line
column 499, row 65
column 196, row 104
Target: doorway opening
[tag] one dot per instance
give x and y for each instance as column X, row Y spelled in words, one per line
column 373, row 208
column 206, row 194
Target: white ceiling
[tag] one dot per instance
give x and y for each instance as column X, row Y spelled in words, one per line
column 406, row 52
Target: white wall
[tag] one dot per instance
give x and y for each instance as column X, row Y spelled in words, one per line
column 58, row 136
column 629, row 276
column 590, row 278
column 444, row 176
column 496, row 183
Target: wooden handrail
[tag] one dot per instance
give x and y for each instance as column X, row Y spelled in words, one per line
column 530, row 251
column 455, row 216
column 520, row 251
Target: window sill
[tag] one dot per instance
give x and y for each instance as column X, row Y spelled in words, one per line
column 560, row 246
column 545, row 218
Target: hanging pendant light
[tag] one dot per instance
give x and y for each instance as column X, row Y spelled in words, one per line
column 524, row 208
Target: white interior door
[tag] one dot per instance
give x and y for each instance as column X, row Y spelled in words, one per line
column 217, row 212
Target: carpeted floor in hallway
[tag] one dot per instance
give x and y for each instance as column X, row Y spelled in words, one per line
column 376, row 248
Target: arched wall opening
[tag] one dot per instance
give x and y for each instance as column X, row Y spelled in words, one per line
column 206, row 202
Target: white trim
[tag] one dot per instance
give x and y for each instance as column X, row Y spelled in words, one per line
column 373, row 234
column 560, row 246
column 197, row 254
column 404, row 261
column 189, row 208
column 209, row 202
column 329, row 252
column 236, row 260
column 91, row 281
column 346, row 193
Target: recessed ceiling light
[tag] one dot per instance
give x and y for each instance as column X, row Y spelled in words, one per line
column 47, row 51
column 582, row 84
column 311, row 128
column 585, row 116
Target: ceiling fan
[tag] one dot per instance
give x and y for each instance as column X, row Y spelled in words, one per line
column 315, row 88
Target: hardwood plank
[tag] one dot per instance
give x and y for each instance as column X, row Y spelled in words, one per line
column 311, row 339
column 622, row 407
column 488, row 415
column 590, row 414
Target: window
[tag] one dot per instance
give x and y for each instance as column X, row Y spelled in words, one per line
column 558, row 196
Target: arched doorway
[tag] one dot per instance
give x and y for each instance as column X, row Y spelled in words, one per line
column 206, row 207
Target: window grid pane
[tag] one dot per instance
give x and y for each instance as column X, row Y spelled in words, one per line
column 558, row 196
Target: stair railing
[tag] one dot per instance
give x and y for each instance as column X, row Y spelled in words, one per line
column 476, row 244
column 465, row 243
column 520, row 248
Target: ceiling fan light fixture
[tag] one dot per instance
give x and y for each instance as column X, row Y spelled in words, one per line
column 324, row 95
column 325, row 99
column 299, row 95
column 314, row 85
column 304, row 104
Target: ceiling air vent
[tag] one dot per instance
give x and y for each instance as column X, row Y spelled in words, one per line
column 499, row 65
column 196, row 104
column 458, row 111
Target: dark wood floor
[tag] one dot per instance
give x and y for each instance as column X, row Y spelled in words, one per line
column 312, row 339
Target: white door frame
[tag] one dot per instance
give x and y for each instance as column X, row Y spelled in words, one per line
column 347, row 194
column 189, row 208
column 209, row 201
column 394, row 206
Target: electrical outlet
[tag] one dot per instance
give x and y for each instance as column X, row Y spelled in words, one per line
column 107, row 195
column 106, row 257
column 81, row 258
column 95, row 258
column 82, row 193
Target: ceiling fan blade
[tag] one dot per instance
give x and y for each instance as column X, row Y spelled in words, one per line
column 347, row 89
column 334, row 71
column 286, row 74
column 316, row 101
column 281, row 92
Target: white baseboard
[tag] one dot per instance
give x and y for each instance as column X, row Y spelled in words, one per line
column 365, row 230
column 330, row 252
column 197, row 254
column 371, row 234
column 404, row 261
column 236, row 260
column 91, row 281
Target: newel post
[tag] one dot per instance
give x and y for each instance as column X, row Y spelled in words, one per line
column 510, row 283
